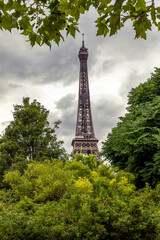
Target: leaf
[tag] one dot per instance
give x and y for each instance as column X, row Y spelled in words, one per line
column 141, row 26
column 153, row 16
column 63, row 6
column 158, row 9
column 6, row 21
column 81, row 10
column 114, row 23
column 118, row 4
column 32, row 39
column 24, row 23
column 72, row 30
column 102, row 28
column 38, row 39
column 140, row 5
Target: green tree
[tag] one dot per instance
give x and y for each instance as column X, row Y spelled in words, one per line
column 29, row 137
column 43, row 21
column 134, row 144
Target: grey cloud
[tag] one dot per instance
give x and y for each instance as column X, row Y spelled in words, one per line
column 132, row 80
column 60, row 65
column 12, row 65
column 106, row 114
column 66, row 108
column 39, row 67
column 66, row 102
column 108, row 65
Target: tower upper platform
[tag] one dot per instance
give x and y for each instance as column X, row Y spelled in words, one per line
column 83, row 52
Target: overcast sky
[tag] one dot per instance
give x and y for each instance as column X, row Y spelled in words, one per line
column 115, row 65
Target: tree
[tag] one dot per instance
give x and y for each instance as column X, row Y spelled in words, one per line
column 43, row 21
column 134, row 144
column 29, row 137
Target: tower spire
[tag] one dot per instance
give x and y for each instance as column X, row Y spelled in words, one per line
column 83, row 40
column 84, row 136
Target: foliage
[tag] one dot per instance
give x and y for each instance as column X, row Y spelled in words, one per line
column 78, row 169
column 134, row 145
column 28, row 137
column 88, row 160
column 44, row 21
column 41, row 181
column 48, row 202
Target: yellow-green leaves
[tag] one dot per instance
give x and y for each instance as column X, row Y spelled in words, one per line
column 12, row 178
column 49, row 202
column 83, row 186
column 140, row 5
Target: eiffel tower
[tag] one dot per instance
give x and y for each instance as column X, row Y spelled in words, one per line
column 84, row 140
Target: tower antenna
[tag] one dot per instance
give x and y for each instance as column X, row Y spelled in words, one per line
column 82, row 39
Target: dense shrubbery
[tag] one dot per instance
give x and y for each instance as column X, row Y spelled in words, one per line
column 53, row 200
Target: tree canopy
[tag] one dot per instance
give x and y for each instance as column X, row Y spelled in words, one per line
column 134, row 144
column 28, row 137
column 53, row 200
column 44, row 21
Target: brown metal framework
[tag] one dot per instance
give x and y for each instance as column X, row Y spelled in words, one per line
column 84, row 137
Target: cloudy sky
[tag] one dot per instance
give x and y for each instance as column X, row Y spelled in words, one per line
column 115, row 65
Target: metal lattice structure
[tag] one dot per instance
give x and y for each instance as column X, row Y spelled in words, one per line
column 84, row 137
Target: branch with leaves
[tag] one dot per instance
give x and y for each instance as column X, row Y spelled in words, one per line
column 46, row 21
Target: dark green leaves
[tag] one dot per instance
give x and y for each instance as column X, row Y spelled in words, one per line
column 24, row 23
column 134, row 144
column 102, row 27
column 141, row 26
column 28, row 137
column 118, row 4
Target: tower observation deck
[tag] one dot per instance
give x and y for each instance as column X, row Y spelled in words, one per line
column 84, row 136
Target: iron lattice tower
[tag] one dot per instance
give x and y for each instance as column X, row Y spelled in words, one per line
column 84, row 137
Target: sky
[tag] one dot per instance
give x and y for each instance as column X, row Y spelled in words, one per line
column 115, row 65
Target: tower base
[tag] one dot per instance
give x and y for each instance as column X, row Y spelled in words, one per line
column 85, row 145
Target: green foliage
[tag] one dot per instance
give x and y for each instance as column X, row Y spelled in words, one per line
column 134, row 145
column 48, row 202
column 88, row 160
column 28, row 137
column 40, row 182
column 43, row 21
column 78, row 169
